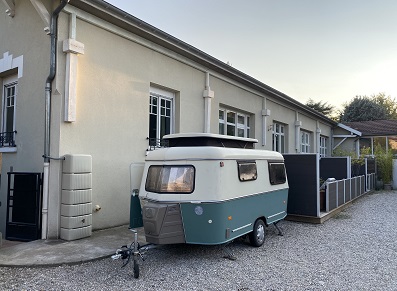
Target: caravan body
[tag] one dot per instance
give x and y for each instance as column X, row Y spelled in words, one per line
column 210, row 194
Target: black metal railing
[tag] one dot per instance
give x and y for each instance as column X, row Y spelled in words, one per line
column 156, row 143
column 7, row 139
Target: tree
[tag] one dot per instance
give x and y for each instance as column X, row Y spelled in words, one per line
column 388, row 103
column 384, row 160
column 321, row 107
column 362, row 108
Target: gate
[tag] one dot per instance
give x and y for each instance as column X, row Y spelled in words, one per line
column 23, row 206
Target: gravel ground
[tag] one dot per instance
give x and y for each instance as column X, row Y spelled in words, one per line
column 356, row 250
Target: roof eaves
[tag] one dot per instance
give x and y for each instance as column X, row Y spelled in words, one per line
column 348, row 128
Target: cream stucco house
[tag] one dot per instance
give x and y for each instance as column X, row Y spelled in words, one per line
column 85, row 82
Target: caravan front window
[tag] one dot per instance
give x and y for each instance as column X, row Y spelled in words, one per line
column 170, row 179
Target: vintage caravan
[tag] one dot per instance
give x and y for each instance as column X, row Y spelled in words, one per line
column 210, row 189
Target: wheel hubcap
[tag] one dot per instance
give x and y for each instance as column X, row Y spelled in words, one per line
column 260, row 233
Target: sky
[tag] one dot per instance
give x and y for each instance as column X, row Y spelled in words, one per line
column 326, row 50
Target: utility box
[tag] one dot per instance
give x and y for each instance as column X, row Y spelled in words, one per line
column 76, row 200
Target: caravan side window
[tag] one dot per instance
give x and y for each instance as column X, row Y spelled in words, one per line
column 170, row 179
column 247, row 170
column 277, row 173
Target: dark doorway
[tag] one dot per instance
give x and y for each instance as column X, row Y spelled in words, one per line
column 23, row 206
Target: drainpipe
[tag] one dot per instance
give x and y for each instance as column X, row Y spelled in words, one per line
column 298, row 125
column 318, row 136
column 48, row 88
column 208, row 95
column 265, row 114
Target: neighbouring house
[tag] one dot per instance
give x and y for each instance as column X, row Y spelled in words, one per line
column 383, row 132
column 88, row 89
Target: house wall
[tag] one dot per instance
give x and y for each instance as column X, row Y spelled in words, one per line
column 114, row 76
column 23, row 41
column 347, row 145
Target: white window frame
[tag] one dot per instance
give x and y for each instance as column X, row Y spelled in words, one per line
column 278, row 135
column 6, row 83
column 323, row 146
column 245, row 127
column 167, row 96
column 305, row 141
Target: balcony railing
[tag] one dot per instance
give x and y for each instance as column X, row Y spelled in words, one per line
column 156, row 143
column 7, row 139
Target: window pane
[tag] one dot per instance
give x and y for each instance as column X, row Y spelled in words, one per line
column 240, row 132
column 231, row 117
column 247, row 171
column 231, row 130
column 170, row 179
column 10, row 119
column 248, row 122
column 282, row 144
column 241, row 120
column 221, row 115
column 277, row 173
column 165, row 126
column 221, row 128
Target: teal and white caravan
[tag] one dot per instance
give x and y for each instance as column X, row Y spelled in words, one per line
column 210, row 189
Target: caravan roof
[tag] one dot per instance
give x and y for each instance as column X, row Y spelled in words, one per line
column 211, row 153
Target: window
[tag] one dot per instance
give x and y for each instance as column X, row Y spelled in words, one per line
column 247, row 170
column 277, row 173
column 234, row 123
column 10, row 91
column 278, row 138
column 170, row 179
column 305, row 142
column 323, row 146
column 161, row 119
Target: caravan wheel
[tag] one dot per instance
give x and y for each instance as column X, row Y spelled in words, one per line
column 257, row 236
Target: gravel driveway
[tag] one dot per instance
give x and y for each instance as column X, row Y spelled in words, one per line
column 357, row 250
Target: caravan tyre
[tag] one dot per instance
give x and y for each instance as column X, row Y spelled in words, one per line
column 257, row 236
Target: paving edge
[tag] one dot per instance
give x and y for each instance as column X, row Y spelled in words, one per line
column 323, row 218
column 48, row 265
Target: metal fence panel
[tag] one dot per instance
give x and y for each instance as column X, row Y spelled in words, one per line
column 353, row 188
column 348, row 185
column 362, row 185
column 341, row 192
column 331, row 196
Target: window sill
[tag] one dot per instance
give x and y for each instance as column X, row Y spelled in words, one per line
column 8, row 150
